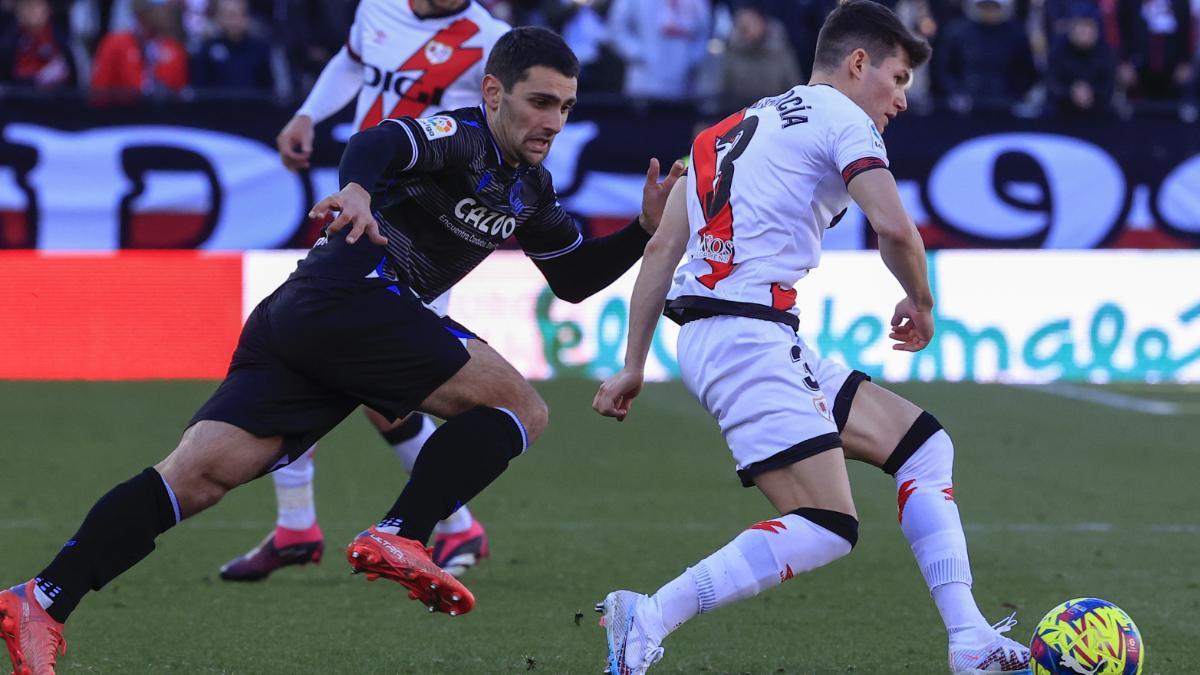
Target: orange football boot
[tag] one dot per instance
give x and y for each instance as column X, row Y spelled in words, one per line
column 33, row 638
column 407, row 562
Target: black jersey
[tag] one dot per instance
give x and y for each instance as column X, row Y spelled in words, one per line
column 455, row 202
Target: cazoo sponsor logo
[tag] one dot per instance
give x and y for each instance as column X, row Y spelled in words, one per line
column 484, row 219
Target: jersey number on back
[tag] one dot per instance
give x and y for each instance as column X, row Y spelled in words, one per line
column 714, row 153
column 438, row 62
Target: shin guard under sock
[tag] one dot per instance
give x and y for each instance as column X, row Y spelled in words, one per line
column 763, row 556
column 923, row 465
column 458, row 461
column 116, row 534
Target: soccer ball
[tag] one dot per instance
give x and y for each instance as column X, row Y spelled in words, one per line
column 1087, row 636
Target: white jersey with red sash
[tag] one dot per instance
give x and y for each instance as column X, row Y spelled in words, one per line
column 414, row 66
column 764, row 185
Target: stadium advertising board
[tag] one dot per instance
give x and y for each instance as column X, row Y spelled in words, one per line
column 205, row 175
column 1014, row 317
column 1006, row 316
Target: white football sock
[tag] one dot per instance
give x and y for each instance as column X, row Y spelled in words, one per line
column 759, row 558
column 294, row 493
column 930, row 521
column 408, row 449
column 459, row 521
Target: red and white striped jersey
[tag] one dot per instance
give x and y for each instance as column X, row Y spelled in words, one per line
column 764, row 185
column 414, row 66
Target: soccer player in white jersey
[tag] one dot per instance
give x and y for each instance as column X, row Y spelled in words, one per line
column 401, row 59
column 764, row 185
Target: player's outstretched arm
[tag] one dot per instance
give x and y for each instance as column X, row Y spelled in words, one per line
column 598, row 262
column 338, row 84
column 903, row 252
column 662, row 255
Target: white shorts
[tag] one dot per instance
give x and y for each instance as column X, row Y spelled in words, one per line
column 775, row 400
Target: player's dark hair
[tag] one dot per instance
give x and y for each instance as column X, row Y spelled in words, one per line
column 868, row 25
column 522, row 48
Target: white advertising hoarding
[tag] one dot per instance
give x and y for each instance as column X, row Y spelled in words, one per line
column 1007, row 316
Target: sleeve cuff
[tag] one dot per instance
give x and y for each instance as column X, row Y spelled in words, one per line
column 861, row 165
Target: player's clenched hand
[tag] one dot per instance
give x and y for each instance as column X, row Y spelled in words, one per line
column 295, row 142
column 912, row 328
column 354, row 203
column 617, row 393
column 654, row 194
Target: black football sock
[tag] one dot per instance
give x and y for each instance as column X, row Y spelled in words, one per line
column 458, row 461
column 116, row 534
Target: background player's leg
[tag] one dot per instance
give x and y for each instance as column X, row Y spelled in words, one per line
column 297, row 538
column 817, row 525
column 492, row 414
column 211, row 459
column 296, row 508
column 890, row 432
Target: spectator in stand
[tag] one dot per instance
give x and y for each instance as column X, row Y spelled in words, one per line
column 663, row 43
column 986, row 60
column 1190, row 111
column 312, row 31
column 801, row 20
column 148, row 59
column 583, row 27
column 233, row 58
column 1082, row 67
column 1155, row 47
column 758, row 61
column 521, row 12
column 33, row 51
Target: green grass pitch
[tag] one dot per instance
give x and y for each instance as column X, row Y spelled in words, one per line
column 1061, row 498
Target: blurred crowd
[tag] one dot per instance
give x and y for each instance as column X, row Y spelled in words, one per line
column 1030, row 57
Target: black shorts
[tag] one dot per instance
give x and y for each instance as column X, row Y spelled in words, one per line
column 316, row 348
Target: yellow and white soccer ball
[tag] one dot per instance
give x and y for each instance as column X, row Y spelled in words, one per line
column 1087, row 636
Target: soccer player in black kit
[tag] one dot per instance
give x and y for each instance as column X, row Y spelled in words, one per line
column 433, row 197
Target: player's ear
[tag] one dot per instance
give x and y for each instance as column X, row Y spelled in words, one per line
column 492, row 89
column 858, row 62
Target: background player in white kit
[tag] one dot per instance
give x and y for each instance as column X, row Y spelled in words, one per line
column 764, row 185
column 401, row 59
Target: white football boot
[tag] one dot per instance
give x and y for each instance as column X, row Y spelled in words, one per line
column 632, row 647
column 1000, row 655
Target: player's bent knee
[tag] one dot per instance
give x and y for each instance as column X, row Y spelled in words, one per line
column 841, row 524
column 534, row 414
column 195, row 492
column 213, row 458
column 925, row 443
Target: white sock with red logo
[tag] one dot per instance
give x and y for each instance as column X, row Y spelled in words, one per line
column 930, row 521
column 763, row 556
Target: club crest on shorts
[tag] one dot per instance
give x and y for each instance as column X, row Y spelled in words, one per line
column 822, row 407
